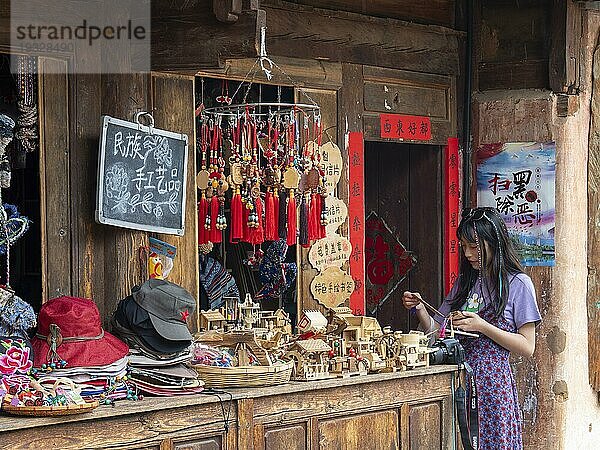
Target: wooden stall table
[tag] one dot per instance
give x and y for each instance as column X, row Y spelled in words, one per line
column 402, row 410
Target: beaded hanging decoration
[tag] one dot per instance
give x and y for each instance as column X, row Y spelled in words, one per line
column 26, row 131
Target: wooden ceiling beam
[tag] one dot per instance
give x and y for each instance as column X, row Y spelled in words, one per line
column 313, row 33
column 187, row 37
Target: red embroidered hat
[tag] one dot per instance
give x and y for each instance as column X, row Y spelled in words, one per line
column 70, row 329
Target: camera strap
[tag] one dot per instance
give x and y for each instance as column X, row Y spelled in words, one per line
column 468, row 416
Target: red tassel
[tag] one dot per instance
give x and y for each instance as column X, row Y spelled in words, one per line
column 269, row 217
column 314, row 211
column 275, row 215
column 215, row 235
column 202, row 211
column 291, row 219
column 237, row 225
column 245, row 227
column 257, row 234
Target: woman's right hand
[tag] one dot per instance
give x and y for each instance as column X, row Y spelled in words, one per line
column 412, row 300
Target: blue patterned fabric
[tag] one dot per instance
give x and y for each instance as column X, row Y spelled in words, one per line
column 216, row 281
column 16, row 316
column 276, row 275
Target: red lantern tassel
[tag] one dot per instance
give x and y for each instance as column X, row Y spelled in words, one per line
column 314, row 211
column 215, row 235
column 269, row 217
column 245, row 227
column 275, row 215
column 237, row 228
column 257, row 234
column 202, row 211
column 291, row 219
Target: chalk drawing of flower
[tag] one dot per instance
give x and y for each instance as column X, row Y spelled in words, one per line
column 116, row 181
column 163, row 153
column 158, row 212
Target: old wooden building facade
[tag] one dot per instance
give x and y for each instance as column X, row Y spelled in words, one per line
column 484, row 72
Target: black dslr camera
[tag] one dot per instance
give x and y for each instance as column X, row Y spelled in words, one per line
column 447, row 351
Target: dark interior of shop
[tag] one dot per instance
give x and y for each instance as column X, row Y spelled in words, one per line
column 24, row 193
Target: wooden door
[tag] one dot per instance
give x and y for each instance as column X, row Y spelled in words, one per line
column 403, row 186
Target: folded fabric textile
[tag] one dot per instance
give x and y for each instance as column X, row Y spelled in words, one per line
column 118, row 368
column 16, row 356
column 70, row 330
column 16, row 315
column 216, row 281
column 172, row 380
column 137, row 359
column 166, row 392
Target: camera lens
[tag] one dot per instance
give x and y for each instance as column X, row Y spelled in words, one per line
column 440, row 356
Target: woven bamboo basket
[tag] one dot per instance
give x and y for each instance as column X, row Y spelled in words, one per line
column 246, row 376
column 45, row 411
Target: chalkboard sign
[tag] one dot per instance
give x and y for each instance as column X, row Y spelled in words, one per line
column 141, row 176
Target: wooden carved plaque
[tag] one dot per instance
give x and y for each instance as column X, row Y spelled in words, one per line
column 337, row 213
column 331, row 162
column 332, row 287
column 333, row 250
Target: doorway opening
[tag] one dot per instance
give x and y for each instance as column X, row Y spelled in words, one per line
column 403, row 195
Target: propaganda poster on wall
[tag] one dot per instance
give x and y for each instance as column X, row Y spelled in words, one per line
column 518, row 179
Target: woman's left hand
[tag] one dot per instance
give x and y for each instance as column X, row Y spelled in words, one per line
column 469, row 321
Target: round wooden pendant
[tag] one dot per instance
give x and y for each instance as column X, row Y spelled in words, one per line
column 291, row 178
column 269, row 178
column 202, row 179
column 236, row 173
column 312, row 179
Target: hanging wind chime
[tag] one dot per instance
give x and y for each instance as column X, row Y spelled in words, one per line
column 274, row 169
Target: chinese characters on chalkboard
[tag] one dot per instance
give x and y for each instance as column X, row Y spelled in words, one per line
column 141, row 177
column 518, row 179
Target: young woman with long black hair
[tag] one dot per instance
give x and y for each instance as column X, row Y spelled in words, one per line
column 495, row 299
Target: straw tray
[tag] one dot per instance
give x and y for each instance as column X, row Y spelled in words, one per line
column 245, row 376
column 45, row 411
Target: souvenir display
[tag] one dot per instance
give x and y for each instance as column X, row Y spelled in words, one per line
column 153, row 321
column 274, row 172
column 72, row 344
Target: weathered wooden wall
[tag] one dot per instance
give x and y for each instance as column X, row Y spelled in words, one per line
column 526, row 116
column 512, row 46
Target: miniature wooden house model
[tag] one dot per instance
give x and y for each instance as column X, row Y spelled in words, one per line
column 212, row 320
column 311, row 359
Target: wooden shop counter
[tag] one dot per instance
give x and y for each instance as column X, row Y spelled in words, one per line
column 403, row 410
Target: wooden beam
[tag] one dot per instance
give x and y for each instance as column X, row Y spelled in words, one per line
column 563, row 63
column 186, row 36
column 354, row 38
column 438, row 12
